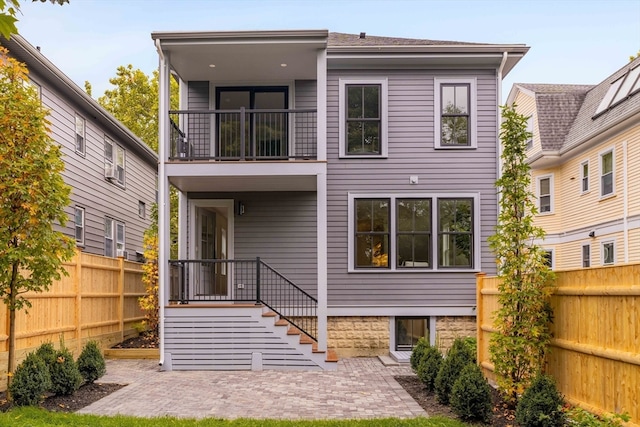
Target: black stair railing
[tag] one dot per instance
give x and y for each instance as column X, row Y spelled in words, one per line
column 243, row 280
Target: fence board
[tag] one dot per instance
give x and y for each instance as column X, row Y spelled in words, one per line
column 595, row 352
column 98, row 301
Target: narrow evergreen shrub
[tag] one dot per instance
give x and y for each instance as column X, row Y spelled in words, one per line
column 541, row 404
column 47, row 353
column 30, row 381
column 471, row 395
column 417, row 353
column 429, row 366
column 65, row 376
column 458, row 357
column 91, row 362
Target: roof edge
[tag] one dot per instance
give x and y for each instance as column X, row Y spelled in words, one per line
column 449, row 48
column 231, row 35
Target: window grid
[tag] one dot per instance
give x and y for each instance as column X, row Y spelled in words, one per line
column 606, row 173
column 79, row 225
column 114, row 161
column 608, row 253
column 545, row 194
column 413, row 233
column 455, row 101
column 455, row 233
column 114, row 237
column 584, row 173
column 371, row 236
column 80, row 134
column 363, row 121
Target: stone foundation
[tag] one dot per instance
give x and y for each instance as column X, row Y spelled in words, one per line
column 448, row 328
column 358, row 336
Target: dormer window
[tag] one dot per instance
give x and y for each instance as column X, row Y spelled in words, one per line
column 619, row 90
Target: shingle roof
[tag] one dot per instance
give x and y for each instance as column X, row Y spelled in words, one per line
column 557, row 106
column 566, row 112
column 343, row 39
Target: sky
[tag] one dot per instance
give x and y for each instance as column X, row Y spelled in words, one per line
column 571, row 41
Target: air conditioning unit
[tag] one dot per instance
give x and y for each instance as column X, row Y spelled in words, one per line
column 122, row 253
column 110, row 171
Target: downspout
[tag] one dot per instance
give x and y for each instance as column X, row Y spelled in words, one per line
column 162, row 200
column 499, row 117
column 625, row 202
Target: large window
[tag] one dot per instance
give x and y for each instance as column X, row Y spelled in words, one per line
column 545, row 194
column 584, row 176
column 114, row 237
column 80, row 135
column 114, row 161
column 396, row 232
column 372, row 233
column 79, row 225
column 363, row 117
column 455, row 112
column 606, row 173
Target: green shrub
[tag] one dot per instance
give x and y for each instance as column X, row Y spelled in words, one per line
column 30, row 381
column 581, row 418
column 458, row 357
column 417, row 353
column 541, row 404
column 91, row 362
column 429, row 366
column 472, row 346
column 471, row 395
column 65, row 376
column 47, row 353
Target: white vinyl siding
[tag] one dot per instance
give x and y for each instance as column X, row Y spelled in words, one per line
column 449, row 114
column 347, row 118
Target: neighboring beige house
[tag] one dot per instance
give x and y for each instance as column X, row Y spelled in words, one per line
column 585, row 161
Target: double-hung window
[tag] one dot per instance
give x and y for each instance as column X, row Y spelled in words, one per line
column 608, row 251
column 530, row 133
column 586, row 255
column 606, row 173
column 363, row 117
column 79, row 225
column 80, row 135
column 545, row 194
column 584, row 176
column 455, row 112
column 410, row 232
column 114, row 237
column 114, row 161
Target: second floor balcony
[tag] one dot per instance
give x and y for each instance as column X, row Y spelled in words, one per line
column 243, row 134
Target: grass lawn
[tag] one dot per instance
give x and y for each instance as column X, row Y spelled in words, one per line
column 33, row 417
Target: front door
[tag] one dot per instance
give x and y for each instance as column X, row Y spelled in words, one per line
column 211, row 247
column 265, row 132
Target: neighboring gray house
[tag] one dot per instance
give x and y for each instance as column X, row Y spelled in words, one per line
column 344, row 182
column 112, row 172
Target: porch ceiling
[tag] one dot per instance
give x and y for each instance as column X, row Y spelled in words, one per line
column 244, row 183
column 242, row 57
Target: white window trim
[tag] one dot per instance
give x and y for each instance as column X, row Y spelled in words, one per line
column 113, row 162
column 605, row 242
column 551, row 193
column 84, row 213
column 473, row 115
column 582, row 177
column 384, row 115
column 434, row 232
column 613, row 172
column 84, row 134
column 588, row 245
column 142, row 205
column 114, row 235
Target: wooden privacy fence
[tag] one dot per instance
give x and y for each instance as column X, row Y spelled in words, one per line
column 595, row 352
column 98, row 301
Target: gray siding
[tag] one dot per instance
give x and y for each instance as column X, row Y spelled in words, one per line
column 199, row 126
column 411, row 152
column 85, row 174
column 280, row 228
column 305, row 98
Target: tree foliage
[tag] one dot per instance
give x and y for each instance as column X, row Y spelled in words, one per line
column 149, row 302
column 33, row 195
column 519, row 346
column 9, row 9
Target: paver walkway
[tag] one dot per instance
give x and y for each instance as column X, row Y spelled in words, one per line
column 359, row 388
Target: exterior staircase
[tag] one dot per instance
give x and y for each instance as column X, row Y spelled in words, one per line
column 237, row 337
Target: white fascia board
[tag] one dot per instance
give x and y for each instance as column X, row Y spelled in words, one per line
column 248, row 169
column 418, row 310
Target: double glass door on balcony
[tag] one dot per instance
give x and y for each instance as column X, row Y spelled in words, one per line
column 252, row 122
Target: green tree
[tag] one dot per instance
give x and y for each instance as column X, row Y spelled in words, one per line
column 519, row 346
column 33, row 195
column 9, row 9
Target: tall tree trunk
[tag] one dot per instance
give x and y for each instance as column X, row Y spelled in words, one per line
column 12, row 323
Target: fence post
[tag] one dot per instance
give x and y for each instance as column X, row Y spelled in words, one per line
column 257, row 280
column 480, row 317
column 77, row 284
column 121, row 297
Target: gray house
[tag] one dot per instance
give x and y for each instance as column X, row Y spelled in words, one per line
column 336, row 194
column 112, row 172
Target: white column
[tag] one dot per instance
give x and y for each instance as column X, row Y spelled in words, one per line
column 321, row 99
column 321, row 194
column 164, row 237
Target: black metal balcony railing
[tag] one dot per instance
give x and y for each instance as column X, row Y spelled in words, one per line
column 243, row 134
column 237, row 280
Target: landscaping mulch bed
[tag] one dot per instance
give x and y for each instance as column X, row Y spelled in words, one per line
column 143, row 340
column 503, row 416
